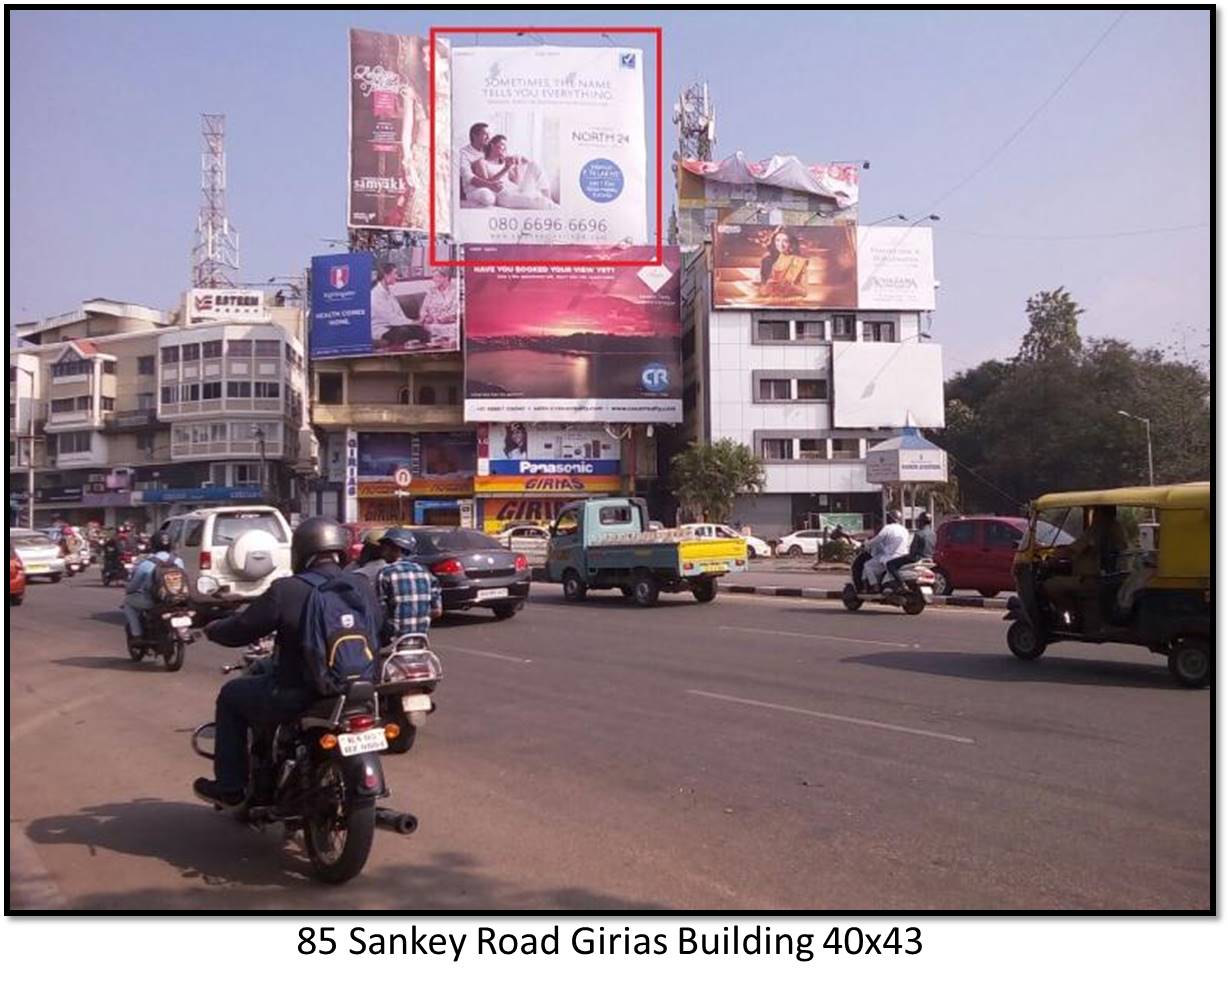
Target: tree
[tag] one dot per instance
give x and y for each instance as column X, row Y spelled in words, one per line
column 1053, row 327
column 706, row 478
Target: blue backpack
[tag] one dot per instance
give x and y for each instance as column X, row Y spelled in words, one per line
column 339, row 632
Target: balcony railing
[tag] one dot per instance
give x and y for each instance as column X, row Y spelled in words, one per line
column 130, row 419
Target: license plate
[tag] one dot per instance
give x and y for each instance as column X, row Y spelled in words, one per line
column 712, row 568
column 928, row 592
column 486, row 593
column 37, row 568
column 415, row 703
column 371, row 741
column 181, row 621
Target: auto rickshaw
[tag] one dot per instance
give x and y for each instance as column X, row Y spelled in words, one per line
column 1133, row 566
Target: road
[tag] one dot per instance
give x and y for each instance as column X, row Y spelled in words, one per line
column 746, row 754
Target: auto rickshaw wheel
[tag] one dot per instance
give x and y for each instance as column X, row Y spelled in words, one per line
column 1190, row 662
column 1024, row 641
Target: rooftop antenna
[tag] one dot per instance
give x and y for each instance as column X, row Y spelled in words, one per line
column 696, row 119
column 215, row 254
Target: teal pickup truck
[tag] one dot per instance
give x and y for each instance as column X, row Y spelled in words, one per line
column 606, row 543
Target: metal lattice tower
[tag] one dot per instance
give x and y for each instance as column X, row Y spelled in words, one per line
column 215, row 254
column 696, row 118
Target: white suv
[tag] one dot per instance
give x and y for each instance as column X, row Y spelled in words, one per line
column 231, row 554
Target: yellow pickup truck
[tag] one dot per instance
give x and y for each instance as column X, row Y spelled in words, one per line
column 606, row 543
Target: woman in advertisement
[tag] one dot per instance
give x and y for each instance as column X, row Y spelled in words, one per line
column 524, row 185
column 782, row 269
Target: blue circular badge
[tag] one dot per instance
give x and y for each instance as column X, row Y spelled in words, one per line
column 655, row 377
column 601, row 180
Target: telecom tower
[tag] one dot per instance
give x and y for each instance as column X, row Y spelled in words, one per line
column 215, row 255
column 696, row 118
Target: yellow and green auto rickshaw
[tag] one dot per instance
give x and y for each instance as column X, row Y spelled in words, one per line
column 1125, row 565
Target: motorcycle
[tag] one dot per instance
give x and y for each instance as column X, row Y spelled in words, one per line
column 409, row 675
column 117, row 568
column 912, row 593
column 167, row 632
column 319, row 773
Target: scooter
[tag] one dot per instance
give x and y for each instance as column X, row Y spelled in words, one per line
column 912, row 593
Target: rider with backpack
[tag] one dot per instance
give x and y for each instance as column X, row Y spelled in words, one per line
column 327, row 624
column 153, row 581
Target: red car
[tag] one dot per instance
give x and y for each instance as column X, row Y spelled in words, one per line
column 976, row 552
column 17, row 579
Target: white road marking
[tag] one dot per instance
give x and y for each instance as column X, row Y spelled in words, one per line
column 841, row 639
column 484, row 653
column 868, row 723
column 30, row 724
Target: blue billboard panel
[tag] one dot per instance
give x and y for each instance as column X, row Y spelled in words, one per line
column 341, row 305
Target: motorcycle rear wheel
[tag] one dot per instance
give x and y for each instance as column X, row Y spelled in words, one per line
column 338, row 846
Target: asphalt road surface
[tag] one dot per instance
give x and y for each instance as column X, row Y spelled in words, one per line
column 745, row 754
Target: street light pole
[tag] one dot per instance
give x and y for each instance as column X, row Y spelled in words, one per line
column 1148, row 436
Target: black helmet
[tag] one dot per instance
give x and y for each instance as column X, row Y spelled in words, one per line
column 924, row 519
column 159, row 542
column 401, row 538
column 893, row 516
column 318, row 535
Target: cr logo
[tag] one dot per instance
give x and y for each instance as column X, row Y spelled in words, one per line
column 655, row 377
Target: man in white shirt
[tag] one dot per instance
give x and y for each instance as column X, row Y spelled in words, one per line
column 889, row 543
column 474, row 190
column 389, row 324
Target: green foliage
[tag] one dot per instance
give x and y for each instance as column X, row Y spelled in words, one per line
column 1049, row 421
column 706, row 478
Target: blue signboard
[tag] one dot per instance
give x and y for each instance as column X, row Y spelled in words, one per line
column 208, row 493
column 341, row 305
column 565, row 465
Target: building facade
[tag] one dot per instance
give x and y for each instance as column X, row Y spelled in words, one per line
column 136, row 417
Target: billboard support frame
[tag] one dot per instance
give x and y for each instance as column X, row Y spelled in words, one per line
column 658, row 244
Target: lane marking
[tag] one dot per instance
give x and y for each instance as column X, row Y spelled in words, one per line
column 866, row 722
column 842, row 639
column 30, row 724
column 484, row 653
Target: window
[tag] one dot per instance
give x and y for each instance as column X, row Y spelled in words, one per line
column 64, row 369
column 200, row 433
column 568, row 523
column 190, row 393
column 771, row 330
column 238, row 390
column 191, row 352
column 211, row 349
column 615, row 515
column 403, row 396
column 108, row 367
column 329, row 388
column 145, row 365
column 61, row 405
column 181, row 435
column 267, row 348
column 810, row 329
column 168, row 393
column 267, row 390
column 75, row 443
column 880, row 332
column 145, row 400
column 774, row 390
column 170, row 355
column 172, row 530
column 211, row 390
column 217, row 433
column 812, row 450
column 145, row 443
column 775, row 450
column 84, row 403
column 845, row 450
column 426, row 396
column 193, row 537
column 108, row 404
column 1000, row 534
column 246, row 473
column 229, row 527
column 239, row 348
column 844, row 327
column 812, row 389
column 962, row 533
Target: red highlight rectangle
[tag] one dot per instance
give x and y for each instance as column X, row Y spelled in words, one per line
column 656, row 32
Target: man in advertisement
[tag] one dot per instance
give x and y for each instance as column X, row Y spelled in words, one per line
column 475, row 190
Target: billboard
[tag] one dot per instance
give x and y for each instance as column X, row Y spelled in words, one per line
column 416, row 463
column 762, row 266
column 896, row 268
column 877, row 385
column 391, row 302
column 548, row 145
column 565, row 344
column 522, row 449
column 225, row 304
column 390, row 132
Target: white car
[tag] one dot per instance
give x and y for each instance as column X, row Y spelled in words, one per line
column 715, row 531
column 231, row 554
column 40, row 556
column 800, row 542
column 531, row 540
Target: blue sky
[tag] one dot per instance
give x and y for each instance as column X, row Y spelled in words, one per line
column 104, row 143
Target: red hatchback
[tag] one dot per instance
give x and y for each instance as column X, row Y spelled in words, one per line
column 976, row 552
column 17, row 579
